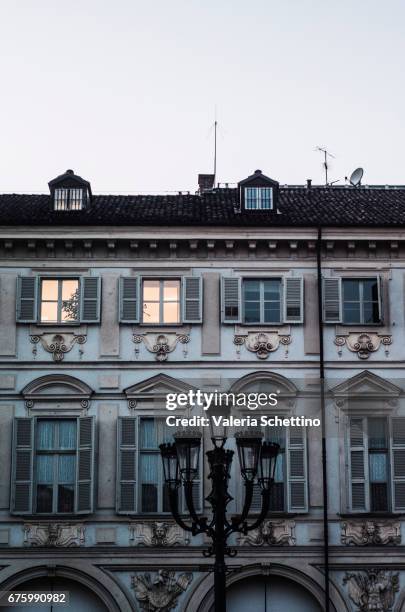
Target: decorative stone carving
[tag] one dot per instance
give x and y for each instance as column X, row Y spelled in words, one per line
column 270, row 533
column 159, row 593
column 57, row 344
column 262, row 343
column 157, row 534
column 363, row 344
column 366, row 533
column 53, row 534
column 373, row 590
column 162, row 344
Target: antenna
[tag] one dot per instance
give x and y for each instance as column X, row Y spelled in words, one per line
column 215, row 147
column 325, row 164
column 356, row 176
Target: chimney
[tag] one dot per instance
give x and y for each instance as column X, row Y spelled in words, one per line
column 205, row 182
column 309, row 183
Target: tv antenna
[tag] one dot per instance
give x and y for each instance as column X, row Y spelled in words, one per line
column 356, row 176
column 325, row 164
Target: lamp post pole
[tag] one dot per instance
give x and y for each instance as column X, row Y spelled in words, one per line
column 257, row 464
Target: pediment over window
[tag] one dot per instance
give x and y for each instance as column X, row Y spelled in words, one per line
column 265, row 382
column 157, row 387
column 57, row 391
column 366, row 386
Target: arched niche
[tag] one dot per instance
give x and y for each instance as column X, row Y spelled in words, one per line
column 268, row 382
column 57, row 393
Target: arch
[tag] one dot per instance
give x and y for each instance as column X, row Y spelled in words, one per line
column 287, row 388
column 49, row 387
column 106, row 589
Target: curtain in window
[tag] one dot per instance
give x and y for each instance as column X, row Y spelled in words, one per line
column 67, row 434
column 66, row 468
column 45, row 469
column 148, row 434
column 45, row 435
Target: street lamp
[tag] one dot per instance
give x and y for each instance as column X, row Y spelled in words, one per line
column 257, row 460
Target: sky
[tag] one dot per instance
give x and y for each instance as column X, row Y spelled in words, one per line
column 126, row 92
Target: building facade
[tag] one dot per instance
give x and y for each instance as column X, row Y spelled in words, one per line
column 109, row 303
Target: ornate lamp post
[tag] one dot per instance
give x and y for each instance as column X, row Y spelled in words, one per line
column 257, row 459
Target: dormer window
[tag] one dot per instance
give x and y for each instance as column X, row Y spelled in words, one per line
column 69, row 192
column 258, row 198
column 68, row 199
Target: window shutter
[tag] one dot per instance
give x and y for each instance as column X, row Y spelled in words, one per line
column 90, row 297
column 129, row 299
column 22, row 471
column 332, row 300
column 297, row 470
column 358, row 466
column 27, row 299
column 231, row 299
column 126, row 465
column 197, row 489
column 398, row 464
column 192, row 299
column 380, row 298
column 293, row 299
column 85, row 465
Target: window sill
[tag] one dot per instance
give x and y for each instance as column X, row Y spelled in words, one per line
column 280, row 328
column 371, row 515
column 343, row 329
column 161, row 328
column 38, row 329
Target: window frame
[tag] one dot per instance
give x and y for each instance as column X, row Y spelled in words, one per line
column 258, row 198
column 261, row 300
column 161, row 300
column 60, row 280
column 61, row 204
column 360, row 280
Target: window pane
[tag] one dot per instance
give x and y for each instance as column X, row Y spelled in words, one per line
column 70, row 300
column 151, row 312
column 165, row 497
column 45, row 469
column 148, row 437
column 271, row 312
column 251, row 289
column 379, row 497
column 252, row 312
column 66, row 468
column 149, row 498
column 171, row 291
column 370, row 290
column 351, row 289
column 65, row 498
column 67, row 434
column 49, row 312
column 151, row 290
column 271, row 289
column 49, row 290
column 44, row 498
column 377, row 433
column 277, row 497
column 149, row 479
column 171, row 312
column 351, row 313
column 378, row 467
column 45, row 435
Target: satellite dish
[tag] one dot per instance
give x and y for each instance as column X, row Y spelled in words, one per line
column 356, row 176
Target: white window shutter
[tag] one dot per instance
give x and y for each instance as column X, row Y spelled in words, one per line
column 27, row 299
column 90, row 299
column 231, row 293
column 85, row 465
column 358, row 466
column 129, row 299
column 398, row 464
column 297, row 493
column 293, row 299
column 332, row 300
column 126, row 465
column 22, row 468
column 192, row 292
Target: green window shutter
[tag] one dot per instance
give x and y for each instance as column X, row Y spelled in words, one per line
column 90, row 299
column 129, row 299
column 380, row 298
column 192, row 299
column 398, row 464
column 85, row 466
column 294, row 299
column 231, row 306
column 27, row 299
column 332, row 300
column 22, row 469
column 296, row 455
column 358, row 466
column 126, row 465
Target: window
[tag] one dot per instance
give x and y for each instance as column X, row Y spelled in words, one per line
column 55, row 466
column 377, row 464
column 360, row 301
column 68, row 199
column 153, row 493
column 258, row 198
column 262, row 301
column 161, row 301
column 59, row 300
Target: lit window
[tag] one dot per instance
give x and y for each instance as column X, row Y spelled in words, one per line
column 59, row 300
column 258, row 198
column 262, row 300
column 161, row 301
column 360, row 301
column 55, row 466
column 68, row 199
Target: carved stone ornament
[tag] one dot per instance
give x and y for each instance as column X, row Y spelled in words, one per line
column 157, row 534
column 373, row 590
column 162, row 344
column 262, row 343
column 160, row 592
column 371, row 533
column 270, row 533
column 363, row 344
column 53, row 534
column 58, row 345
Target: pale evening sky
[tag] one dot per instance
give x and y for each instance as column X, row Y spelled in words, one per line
column 124, row 91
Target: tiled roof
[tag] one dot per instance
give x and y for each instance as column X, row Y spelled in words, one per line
column 298, row 206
